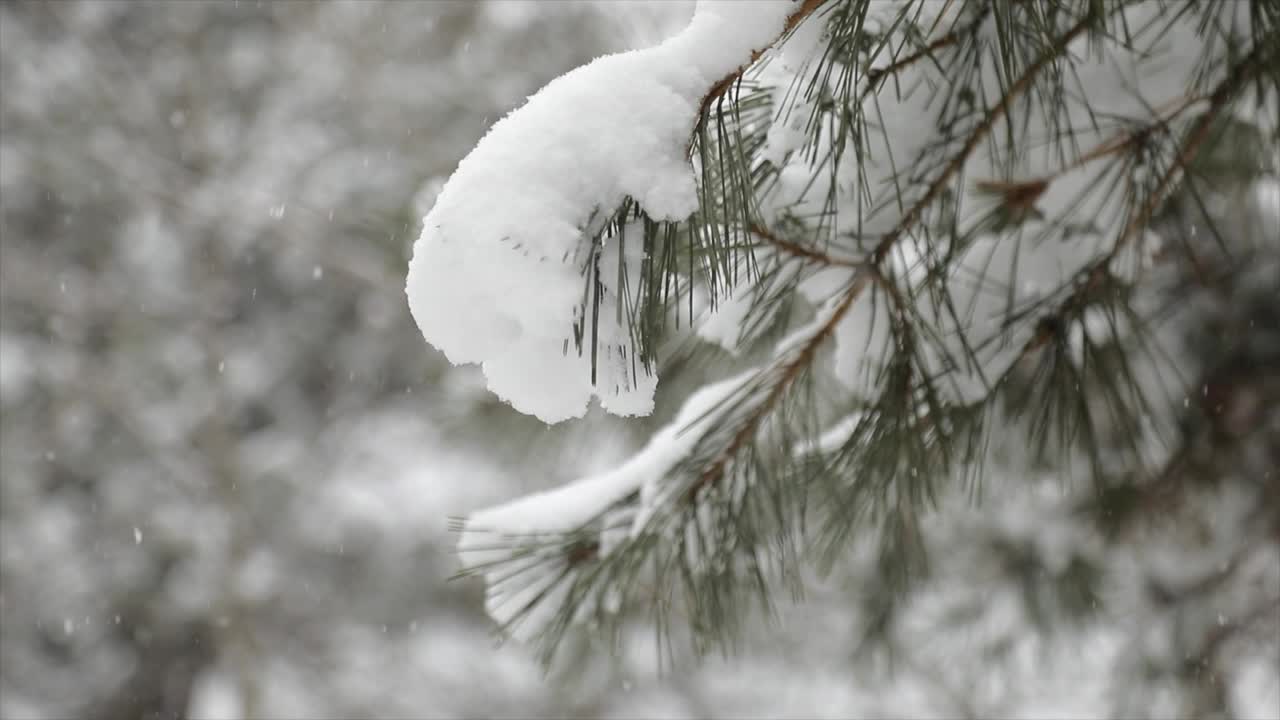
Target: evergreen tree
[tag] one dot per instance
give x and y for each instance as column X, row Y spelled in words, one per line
column 995, row 283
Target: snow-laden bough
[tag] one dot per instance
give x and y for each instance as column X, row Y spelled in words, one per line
column 517, row 545
column 497, row 275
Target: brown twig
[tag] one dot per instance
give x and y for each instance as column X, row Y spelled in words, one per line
column 799, row 250
column 1165, row 114
column 1022, row 194
column 876, row 75
column 723, row 84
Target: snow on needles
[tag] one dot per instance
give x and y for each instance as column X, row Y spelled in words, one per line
column 498, row 274
column 519, row 546
column 517, row 543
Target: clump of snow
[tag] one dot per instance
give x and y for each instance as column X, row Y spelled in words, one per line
column 724, row 324
column 791, row 113
column 498, row 274
column 835, row 436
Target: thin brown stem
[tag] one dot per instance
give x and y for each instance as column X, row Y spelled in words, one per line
column 1115, row 144
column 875, row 76
column 723, row 84
column 799, row 250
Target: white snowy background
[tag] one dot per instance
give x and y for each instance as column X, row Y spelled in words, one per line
column 228, row 459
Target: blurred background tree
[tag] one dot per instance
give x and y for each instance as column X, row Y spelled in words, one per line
column 227, row 457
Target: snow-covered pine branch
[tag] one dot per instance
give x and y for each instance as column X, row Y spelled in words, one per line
column 958, row 197
column 498, row 276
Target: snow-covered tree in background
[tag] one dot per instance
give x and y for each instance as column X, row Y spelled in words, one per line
column 943, row 247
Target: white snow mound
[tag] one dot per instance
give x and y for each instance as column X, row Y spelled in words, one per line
column 499, row 270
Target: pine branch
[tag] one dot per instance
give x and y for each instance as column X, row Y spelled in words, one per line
column 877, row 76
column 707, row 521
column 788, row 371
column 791, row 369
column 1021, row 195
column 1239, row 76
column 1098, row 272
column 978, row 135
column 799, row 250
column 794, row 361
